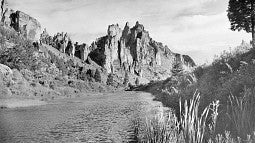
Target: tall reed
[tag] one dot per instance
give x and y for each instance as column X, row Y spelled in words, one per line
column 192, row 124
column 241, row 112
column 162, row 129
column 189, row 129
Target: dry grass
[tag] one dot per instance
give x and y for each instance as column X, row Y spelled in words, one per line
column 193, row 125
column 190, row 129
column 162, row 129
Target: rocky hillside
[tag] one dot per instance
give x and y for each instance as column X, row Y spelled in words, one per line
column 127, row 55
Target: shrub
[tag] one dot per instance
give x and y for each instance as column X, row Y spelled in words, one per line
column 20, row 56
column 137, row 82
column 110, row 79
column 126, row 79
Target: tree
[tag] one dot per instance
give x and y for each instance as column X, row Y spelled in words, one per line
column 126, row 79
column 241, row 16
column 97, row 76
column 137, row 82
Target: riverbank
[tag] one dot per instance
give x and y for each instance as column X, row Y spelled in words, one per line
column 17, row 103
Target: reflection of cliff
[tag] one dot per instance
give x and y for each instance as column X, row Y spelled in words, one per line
column 133, row 50
column 21, row 22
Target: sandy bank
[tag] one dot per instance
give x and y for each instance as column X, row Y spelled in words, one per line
column 15, row 103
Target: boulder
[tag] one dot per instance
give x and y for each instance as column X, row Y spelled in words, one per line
column 5, row 74
column 5, row 80
column 5, row 70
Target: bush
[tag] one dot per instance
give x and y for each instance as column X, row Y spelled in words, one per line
column 21, row 56
column 137, row 82
column 110, row 79
column 126, row 79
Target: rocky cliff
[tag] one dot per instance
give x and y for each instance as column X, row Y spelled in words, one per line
column 133, row 50
column 128, row 50
column 26, row 25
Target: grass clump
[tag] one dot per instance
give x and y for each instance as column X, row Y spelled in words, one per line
column 193, row 125
column 190, row 128
column 162, row 129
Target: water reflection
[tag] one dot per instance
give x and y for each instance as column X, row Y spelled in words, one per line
column 108, row 118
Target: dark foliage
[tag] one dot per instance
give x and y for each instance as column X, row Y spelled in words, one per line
column 97, row 76
column 126, row 79
column 241, row 15
column 21, row 56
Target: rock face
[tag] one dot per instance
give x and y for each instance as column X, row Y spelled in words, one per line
column 28, row 26
column 82, row 51
column 132, row 49
column 4, row 9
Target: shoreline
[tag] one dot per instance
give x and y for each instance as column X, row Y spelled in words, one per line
column 18, row 103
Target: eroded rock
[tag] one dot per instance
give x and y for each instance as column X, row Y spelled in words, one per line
column 133, row 50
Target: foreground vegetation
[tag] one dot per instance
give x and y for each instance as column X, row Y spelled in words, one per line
column 198, row 128
column 224, row 109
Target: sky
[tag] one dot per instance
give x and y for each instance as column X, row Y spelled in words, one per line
column 199, row 28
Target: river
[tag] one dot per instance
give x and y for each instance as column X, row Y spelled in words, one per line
column 108, row 118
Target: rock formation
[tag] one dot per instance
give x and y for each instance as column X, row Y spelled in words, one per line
column 82, row 51
column 4, row 10
column 130, row 50
column 5, row 72
column 26, row 25
column 133, row 50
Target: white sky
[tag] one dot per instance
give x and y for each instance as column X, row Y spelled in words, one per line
column 199, row 28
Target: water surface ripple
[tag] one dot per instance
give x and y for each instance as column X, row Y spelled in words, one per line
column 108, row 118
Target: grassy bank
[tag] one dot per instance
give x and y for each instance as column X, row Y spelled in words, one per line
column 229, row 80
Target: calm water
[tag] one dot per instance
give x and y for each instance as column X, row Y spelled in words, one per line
column 96, row 118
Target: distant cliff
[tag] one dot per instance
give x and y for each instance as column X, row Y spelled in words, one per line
column 133, row 50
